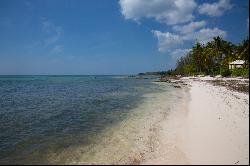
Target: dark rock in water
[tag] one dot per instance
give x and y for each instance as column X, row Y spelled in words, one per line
column 177, row 86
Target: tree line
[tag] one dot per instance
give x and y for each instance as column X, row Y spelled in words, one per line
column 213, row 58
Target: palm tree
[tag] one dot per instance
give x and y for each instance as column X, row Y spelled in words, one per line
column 208, row 57
column 197, row 55
column 213, row 57
column 228, row 52
column 243, row 50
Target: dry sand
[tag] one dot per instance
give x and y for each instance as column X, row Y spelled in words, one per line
column 210, row 127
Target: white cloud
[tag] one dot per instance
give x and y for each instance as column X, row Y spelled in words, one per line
column 215, row 9
column 189, row 28
column 54, row 32
column 205, row 35
column 167, row 11
column 177, row 53
column 177, row 14
column 167, row 41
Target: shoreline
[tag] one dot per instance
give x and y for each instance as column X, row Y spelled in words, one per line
column 210, row 127
column 134, row 139
column 188, row 120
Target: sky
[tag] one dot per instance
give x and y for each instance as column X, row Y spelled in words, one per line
column 112, row 37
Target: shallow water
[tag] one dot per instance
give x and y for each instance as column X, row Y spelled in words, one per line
column 76, row 119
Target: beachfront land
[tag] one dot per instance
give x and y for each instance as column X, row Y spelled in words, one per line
column 212, row 126
column 217, row 57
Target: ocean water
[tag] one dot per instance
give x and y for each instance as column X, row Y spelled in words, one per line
column 77, row 119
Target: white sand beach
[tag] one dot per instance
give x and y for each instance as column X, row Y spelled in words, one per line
column 211, row 127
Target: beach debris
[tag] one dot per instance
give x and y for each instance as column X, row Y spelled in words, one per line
column 136, row 161
column 237, row 162
column 177, row 86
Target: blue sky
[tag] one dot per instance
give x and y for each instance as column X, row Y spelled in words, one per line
column 110, row 37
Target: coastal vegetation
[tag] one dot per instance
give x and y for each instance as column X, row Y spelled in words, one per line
column 213, row 59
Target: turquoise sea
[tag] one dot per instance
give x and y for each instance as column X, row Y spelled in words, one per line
column 65, row 119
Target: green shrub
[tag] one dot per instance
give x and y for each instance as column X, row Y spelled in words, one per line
column 216, row 70
column 188, row 69
column 240, row 72
column 225, row 72
column 201, row 73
